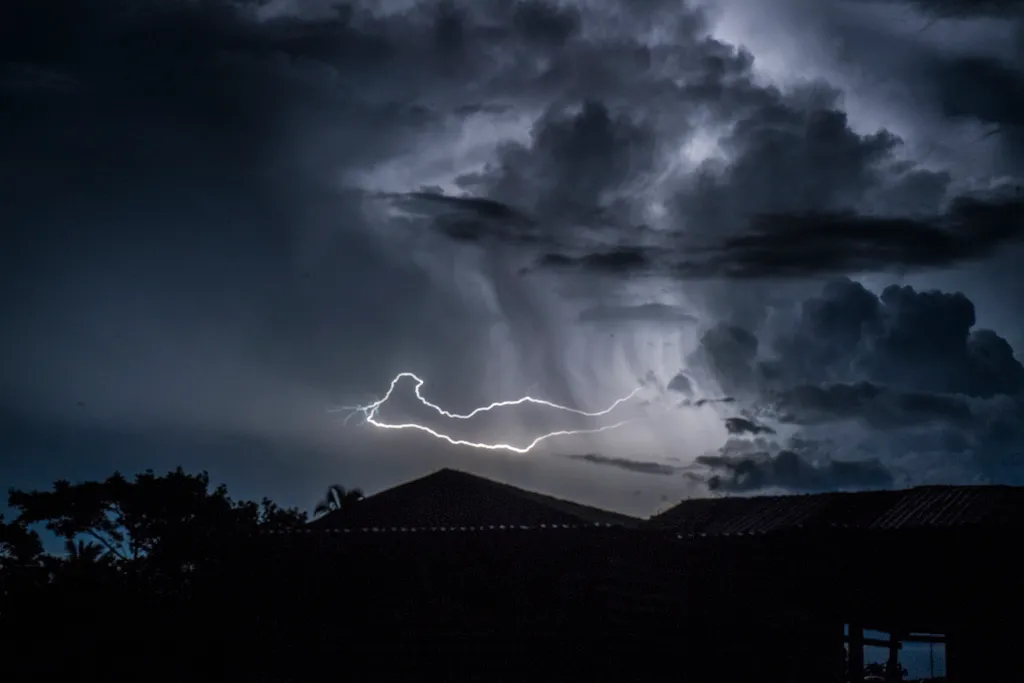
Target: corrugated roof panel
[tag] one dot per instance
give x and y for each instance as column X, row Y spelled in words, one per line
column 925, row 507
column 764, row 515
column 724, row 516
column 934, row 507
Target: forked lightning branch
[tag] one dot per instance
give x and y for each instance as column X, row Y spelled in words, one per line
column 371, row 411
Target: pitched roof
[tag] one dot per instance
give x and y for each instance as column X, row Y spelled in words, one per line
column 451, row 498
column 926, row 507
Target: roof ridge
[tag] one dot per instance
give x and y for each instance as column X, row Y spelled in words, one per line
column 450, row 485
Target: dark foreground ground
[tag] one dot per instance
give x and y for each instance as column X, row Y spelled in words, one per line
column 456, row 609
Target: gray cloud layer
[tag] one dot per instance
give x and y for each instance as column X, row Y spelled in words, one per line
column 904, row 375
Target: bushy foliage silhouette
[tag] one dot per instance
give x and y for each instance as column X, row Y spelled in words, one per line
column 140, row 558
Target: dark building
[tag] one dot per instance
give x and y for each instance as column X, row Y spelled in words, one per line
column 930, row 560
column 463, row 578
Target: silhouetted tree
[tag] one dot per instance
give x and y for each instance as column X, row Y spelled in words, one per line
column 269, row 515
column 19, row 545
column 337, row 498
column 84, row 552
column 21, row 561
column 157, row 527
column 145, row 555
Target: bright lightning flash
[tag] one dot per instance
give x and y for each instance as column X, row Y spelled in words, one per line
column 370, row 411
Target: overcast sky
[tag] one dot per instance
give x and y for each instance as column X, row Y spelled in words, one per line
column 222, row 219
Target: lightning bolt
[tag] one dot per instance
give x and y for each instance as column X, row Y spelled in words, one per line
column 370, row 411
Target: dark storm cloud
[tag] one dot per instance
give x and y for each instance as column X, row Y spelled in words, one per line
column 582, row 172
column 808, row 245
column 789, row 153
column 743, row 425
column 957, row 63
column 576, row 166
column 471, row 219
column 789, row 471
column 624, row 261
column 681, row 383
column 904, row 338
column 811, row 245
column 803, row 196
column 544, row 23
column 697, row 403
column 483, row 208
column 642, row 313
column 729, row 353
column 984, row 89
column 876, row 405
column 906, row 366
column 959, row 9
column 981, row 88
column 638, row 466
column 796, row 152
column 801, row 193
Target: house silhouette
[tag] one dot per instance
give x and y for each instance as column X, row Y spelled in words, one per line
column 458, row 576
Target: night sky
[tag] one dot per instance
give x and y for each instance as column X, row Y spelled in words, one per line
column 222, row 219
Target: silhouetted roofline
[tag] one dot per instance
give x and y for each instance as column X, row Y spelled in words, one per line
column 562, row 512
column 497, row 506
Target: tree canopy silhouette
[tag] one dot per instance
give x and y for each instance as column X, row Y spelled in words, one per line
column 153, row 532
column 150, row 519
column 142, row 555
